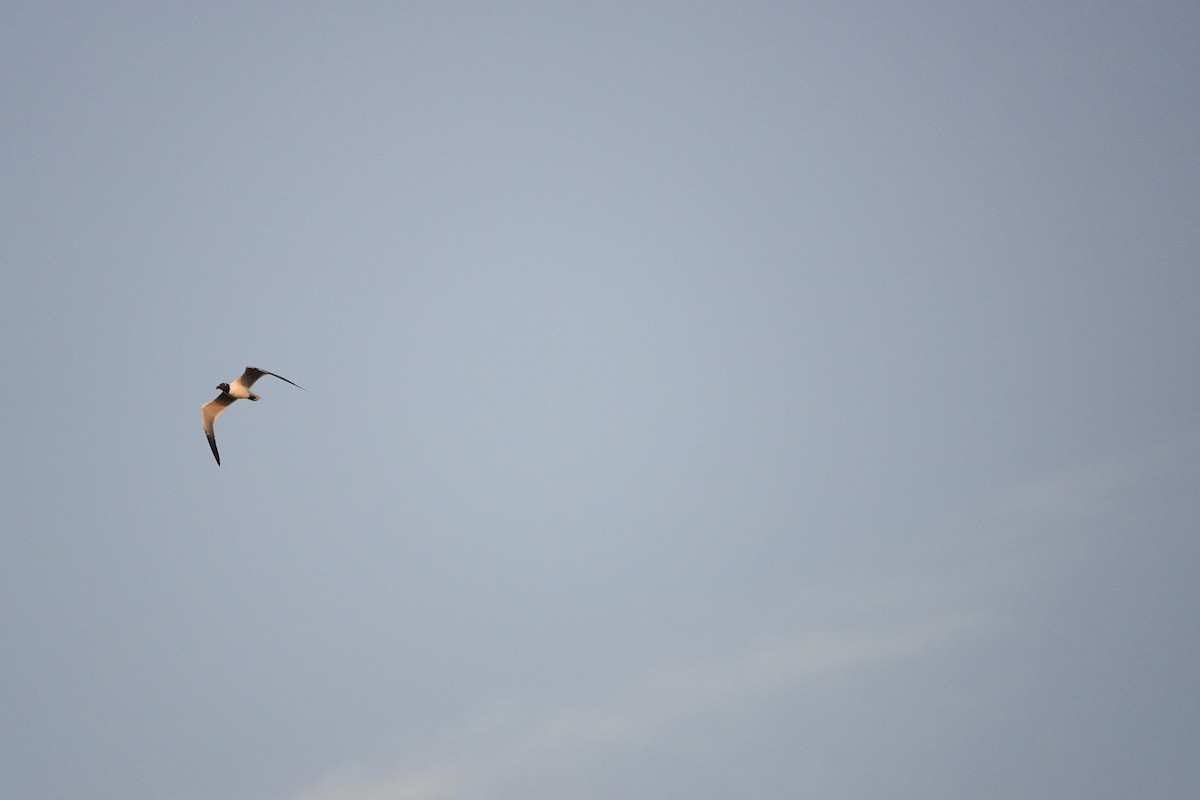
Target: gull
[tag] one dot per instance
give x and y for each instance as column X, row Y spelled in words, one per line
column 238, row 390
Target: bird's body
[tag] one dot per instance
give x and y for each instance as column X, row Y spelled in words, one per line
column 238, row 390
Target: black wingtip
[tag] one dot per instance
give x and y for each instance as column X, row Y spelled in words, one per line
column 274, row 375
column 212, row 442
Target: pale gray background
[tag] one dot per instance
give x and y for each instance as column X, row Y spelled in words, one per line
column 706, row 400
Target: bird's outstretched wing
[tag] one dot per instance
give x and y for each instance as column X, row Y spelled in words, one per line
column 252, row 374
column 208, row 415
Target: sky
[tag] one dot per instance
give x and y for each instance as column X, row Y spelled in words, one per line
column 703, row 400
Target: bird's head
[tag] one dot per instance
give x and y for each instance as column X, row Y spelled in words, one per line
column 224, row 387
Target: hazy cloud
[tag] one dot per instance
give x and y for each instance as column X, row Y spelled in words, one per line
column 519, row 737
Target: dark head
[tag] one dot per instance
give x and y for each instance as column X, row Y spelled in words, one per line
column 224, row 387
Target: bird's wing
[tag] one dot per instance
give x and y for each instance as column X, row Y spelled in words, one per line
column 247, row 378
column 208, row 415
column 252, row 374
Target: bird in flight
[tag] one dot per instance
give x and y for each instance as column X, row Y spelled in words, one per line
column 238, row 390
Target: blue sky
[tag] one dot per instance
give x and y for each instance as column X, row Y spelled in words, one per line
column 704, row 401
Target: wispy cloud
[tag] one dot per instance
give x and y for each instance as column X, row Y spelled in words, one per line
column 512, row 739
column 982, row 568
column 1065, row 498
